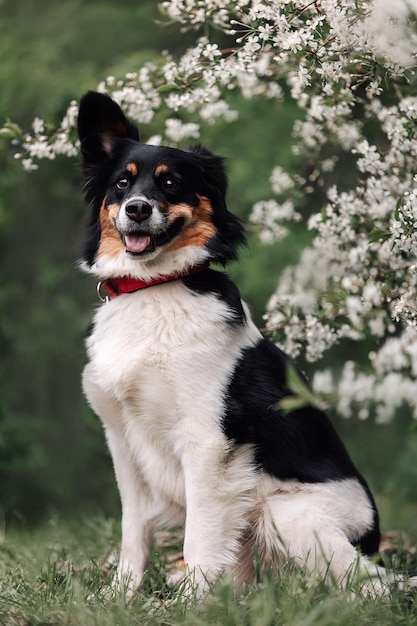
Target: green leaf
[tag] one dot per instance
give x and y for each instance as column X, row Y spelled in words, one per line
column 167, row 87
column 300, row 393
column 12, row 130
column 397, row 209
column 300, row 396
column 290, row 404
column 295, row 382
column 379, row 234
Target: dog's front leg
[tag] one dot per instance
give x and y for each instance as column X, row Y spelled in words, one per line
column 219, row 484
column 137, row 516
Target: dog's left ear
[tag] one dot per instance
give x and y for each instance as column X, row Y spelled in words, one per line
column 212, row 168
column 101, row 123
column 224, row 246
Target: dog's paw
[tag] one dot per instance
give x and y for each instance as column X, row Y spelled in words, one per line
column 191, row 584
column 176, row 577
column 126, row 580
column 408, row 585
column 195, row 583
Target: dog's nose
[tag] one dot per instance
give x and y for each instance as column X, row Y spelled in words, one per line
column 138, row 211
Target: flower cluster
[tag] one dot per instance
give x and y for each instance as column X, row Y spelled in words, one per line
column 42, row 144
column 358, row 279
column 270, row 215
column 349, row 65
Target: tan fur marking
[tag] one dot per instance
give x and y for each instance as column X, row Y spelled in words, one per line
column 199, row 228
column 161, row 169
column 132, row 168
column 110, row 242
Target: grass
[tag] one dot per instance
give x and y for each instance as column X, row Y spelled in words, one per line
column 55, row 575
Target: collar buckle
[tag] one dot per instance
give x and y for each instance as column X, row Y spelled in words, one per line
column 103, row 299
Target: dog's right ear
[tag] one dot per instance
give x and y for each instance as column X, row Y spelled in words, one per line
column 101, row 123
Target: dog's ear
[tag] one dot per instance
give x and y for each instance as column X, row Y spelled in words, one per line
column 224, row 246
column 212, row 168
column 101, row 123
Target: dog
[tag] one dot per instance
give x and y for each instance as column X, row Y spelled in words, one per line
column 189, row 390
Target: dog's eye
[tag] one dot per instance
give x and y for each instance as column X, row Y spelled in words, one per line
column 170, row 184
column 122, row 183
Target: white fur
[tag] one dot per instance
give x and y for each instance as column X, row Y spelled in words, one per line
column 160, row 360
column 314, row 524
column 155, row 223
column 157, row 382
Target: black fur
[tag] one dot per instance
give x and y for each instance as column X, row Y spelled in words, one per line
column 109, row 141
column 220, row 284
column 301, row 445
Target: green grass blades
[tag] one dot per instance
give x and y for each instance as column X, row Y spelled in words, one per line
column 60, row 574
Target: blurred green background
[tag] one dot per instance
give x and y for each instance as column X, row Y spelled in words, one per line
column 52, row 452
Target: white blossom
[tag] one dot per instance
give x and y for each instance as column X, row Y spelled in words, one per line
column 338, row 60
column 280, row 180
column 38, row 126
column 176, row 130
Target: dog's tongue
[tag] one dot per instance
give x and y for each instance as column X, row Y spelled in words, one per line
column 137, row 243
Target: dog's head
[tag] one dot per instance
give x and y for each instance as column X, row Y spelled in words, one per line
column 155, row 210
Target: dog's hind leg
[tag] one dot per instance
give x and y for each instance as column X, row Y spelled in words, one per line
column 315, row 531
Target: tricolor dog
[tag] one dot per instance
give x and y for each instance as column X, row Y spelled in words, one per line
column 187, row 387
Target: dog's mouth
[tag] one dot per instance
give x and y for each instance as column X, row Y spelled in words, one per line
column 139, row 243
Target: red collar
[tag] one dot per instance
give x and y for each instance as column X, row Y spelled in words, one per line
column 127, row 284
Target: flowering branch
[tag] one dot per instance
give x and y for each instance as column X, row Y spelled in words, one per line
column 349, row 66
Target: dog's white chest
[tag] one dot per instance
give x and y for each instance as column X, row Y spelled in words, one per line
column 160, row 361
column 165, row 339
